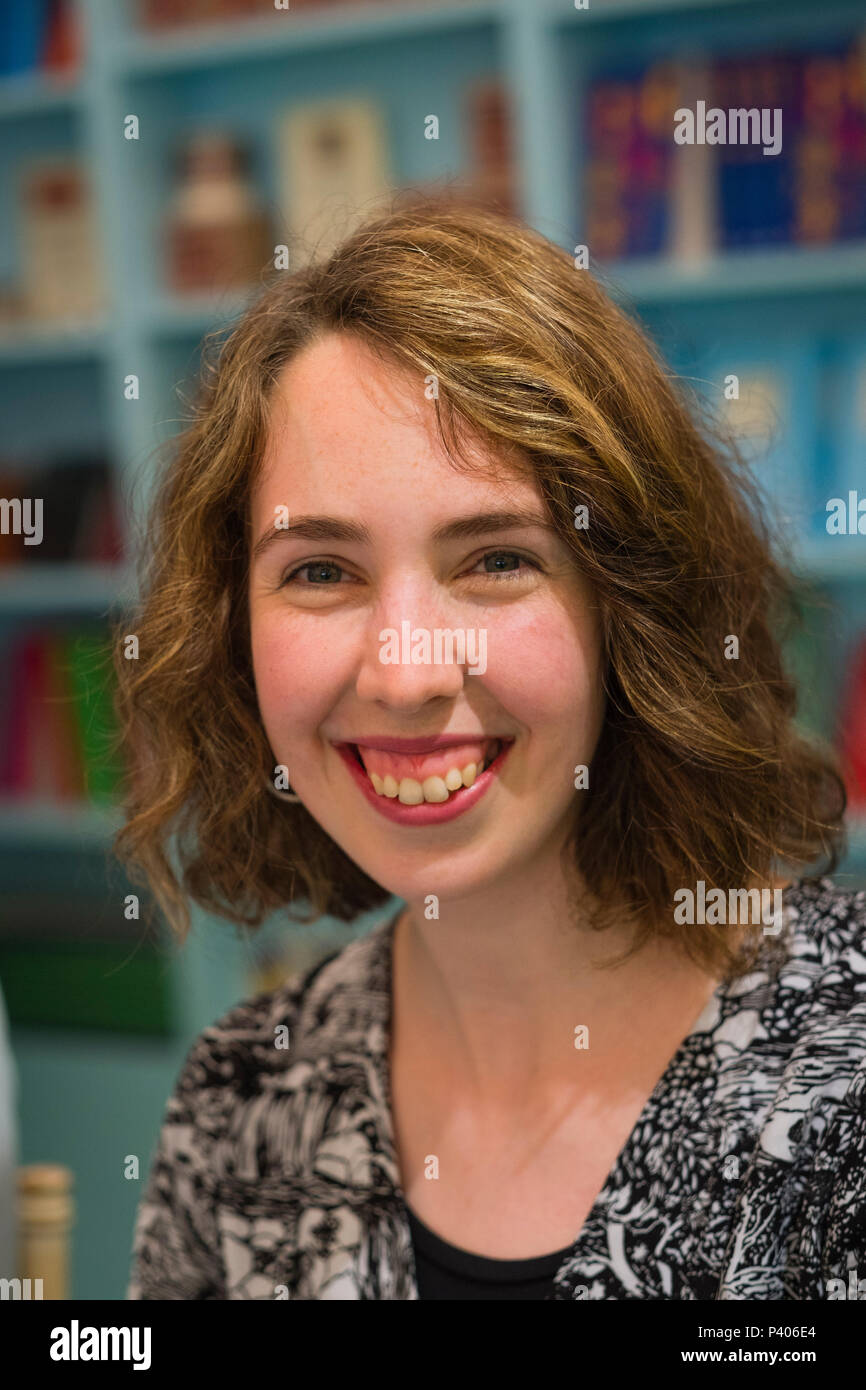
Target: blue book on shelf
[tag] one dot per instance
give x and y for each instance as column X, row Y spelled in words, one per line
column 774, row 422
column 757, row 191
column 22, row 31
column 635, row 152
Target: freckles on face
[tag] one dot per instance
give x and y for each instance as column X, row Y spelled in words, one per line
column 352, row 440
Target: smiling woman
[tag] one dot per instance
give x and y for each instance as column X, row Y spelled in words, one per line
column 475, row 1103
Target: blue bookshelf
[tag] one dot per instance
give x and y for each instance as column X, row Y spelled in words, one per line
column 545, row 53
column 414, row 58
column 791, row 273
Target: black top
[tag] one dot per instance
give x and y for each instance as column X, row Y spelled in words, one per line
column 446, row 1271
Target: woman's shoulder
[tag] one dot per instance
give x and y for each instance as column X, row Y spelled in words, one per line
column 342, row 1001
column 799, row 1015
column 827, row 935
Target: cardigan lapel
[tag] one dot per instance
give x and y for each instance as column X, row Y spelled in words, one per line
column 352, row 1233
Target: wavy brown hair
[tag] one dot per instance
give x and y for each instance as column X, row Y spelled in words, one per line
column 700, row 771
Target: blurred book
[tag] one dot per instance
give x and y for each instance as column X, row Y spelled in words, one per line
column 58, row 718
column 51, row 979
column 693, row 215
column 12, row 485
column 492, row 173
column 62, row 40
column 806, row 109
column 629, row 161
column 81, row 520
column 333, row 169
column 218, row 234
column 756, row 191
column 60, row 259
column 831, row 156
column 39, row 34
column 852, row 728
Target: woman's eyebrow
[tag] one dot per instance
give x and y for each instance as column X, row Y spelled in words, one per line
column 332, row 528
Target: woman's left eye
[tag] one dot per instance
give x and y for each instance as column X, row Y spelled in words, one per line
column 507, row 573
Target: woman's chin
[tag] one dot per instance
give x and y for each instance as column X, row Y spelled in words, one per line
column 421, row 874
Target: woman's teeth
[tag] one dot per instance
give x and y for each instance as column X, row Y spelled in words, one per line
column 412, row 793
column 435, row 789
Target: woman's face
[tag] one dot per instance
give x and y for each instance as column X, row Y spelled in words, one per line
column 366, row 544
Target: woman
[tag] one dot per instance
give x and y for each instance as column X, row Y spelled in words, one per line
column 538, row 1079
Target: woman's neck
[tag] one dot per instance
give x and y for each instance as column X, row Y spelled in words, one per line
column 508, row 987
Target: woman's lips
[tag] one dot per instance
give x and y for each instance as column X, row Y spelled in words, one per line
column 427, row 813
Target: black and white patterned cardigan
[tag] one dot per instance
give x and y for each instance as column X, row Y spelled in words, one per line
column 276, row 1175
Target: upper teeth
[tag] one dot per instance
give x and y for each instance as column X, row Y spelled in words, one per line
column 412, row 792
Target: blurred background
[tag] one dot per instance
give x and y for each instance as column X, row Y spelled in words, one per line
column 153, row 154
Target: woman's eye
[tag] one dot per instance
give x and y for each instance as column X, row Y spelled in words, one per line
column 319, row 568
column 511, row 572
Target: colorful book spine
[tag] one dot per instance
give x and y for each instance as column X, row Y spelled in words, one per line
column 852, row 730
column 62, row 743
column 22, row 31
column 609, row 117
column 81, row 513
column 489, row 123
column 786, row 140
column 91, row 674
column 757, row 190
column 629, row 162
column 58, row 718
column 61, row 44
column 852, row 143
column 22, row 662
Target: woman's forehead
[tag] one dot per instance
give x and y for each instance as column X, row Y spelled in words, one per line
column 342, row 422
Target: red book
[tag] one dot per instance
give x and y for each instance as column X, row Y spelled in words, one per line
column 852, row 731
column 62, row 742
column 28, row 668
column 40, row 741
column 99, row 534
column 61, row 51
column 41, row 756
column 12, row 549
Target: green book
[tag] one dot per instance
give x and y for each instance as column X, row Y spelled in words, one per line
column 92, row 684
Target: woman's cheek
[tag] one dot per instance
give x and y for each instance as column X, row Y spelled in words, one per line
column 298, row 677
column 275, row 655
column 536, row 668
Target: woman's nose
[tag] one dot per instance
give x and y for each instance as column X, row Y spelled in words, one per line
column 413, row 653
